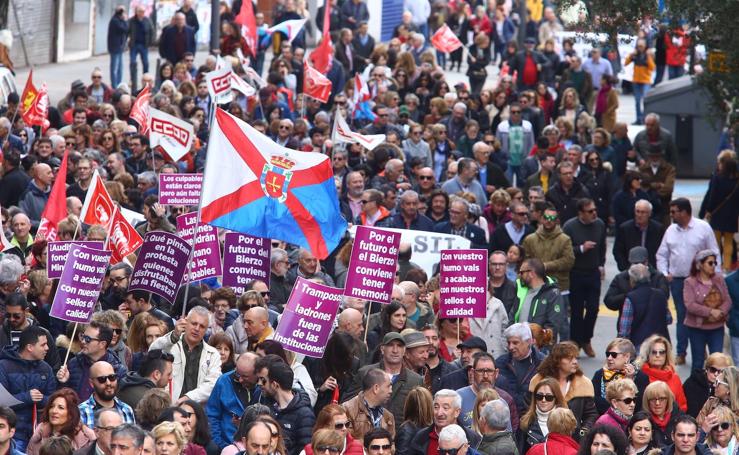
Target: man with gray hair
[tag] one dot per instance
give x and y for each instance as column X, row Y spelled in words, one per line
column 458, row 224
column 408, row 216
column 279, row 288
column 519, row 364
column 416, row 311
column 106, row 420
column 447, row 407
column 466, row 181
column 642, row 230
column 309, row 268
column 127, row 439
column 494, row 421
column 197, row 365
column 645, row 311
column 456, row 122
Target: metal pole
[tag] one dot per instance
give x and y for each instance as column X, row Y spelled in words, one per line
column 215, row 26
column 523, row 19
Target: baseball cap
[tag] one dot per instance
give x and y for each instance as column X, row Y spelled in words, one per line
column 415, row 339
column 529, row 41
column 638, row 255
column 392, row 336
column 473, row 343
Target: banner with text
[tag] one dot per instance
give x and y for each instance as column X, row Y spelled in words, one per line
column 462, row 283
column 206, row 257
column 174, row 135
column 161, row 263
column 56, row 254
column 80, row 284
column 372, row 265
column 245, row 258
column 308, row 318
column 180, row 189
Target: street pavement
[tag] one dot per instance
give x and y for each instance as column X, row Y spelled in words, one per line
column 59, row 76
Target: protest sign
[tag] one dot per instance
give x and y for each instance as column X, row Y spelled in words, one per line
column 160, row 265
column 463, row 283
column 206, row 256
column 308, row 318
column 426, row 246
column 80, row 284
column 372, row 265
column 56, row 254
column 245, row 258
column 180, row 189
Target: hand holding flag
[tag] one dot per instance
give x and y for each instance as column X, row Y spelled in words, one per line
column 445, row 40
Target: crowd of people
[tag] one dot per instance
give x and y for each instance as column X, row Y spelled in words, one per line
column 530, row 163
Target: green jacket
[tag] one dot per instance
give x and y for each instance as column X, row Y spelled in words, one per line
column 554, row 249
column 501, row 443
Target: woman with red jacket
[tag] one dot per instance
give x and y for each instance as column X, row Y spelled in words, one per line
column 561, row 424
column 677, row 44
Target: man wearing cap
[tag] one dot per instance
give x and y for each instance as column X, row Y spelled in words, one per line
column 641, row 231
column 367, row 409
column 417, row 353
column 621, row 285
column 392, row 352
column 460, row 378
column 484, row 374
column 659, row 176
column 529, row 64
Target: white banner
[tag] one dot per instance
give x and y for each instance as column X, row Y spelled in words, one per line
column 172, row 134
column 219, row 85
column 342, row 133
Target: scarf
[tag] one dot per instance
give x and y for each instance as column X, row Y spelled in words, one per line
column 542, row 417
column 658, row 374
column 662, row 423
column 608, row 376
column 620, row 417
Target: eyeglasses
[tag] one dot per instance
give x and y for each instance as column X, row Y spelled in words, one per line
column 108, row 378
column 722, row 426
column 484, row 371
column 659, row 352
column 425, row 177
column 15, row 315
column 285, row 127
column 97, row 77
column 342, row 425
column 119, row 279
column 380, row 447
column 522, row 213
column 613, row 354
column 628, row 400
column 329, row 449
column 88, row 339
column 548, row 397
column 657, row 399
column 515, row 112
column 449, row 451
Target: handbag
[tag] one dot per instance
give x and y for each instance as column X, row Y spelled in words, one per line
column 708, row 214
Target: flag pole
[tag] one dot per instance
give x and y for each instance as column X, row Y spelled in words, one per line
column 366, row 323
column 69, row 349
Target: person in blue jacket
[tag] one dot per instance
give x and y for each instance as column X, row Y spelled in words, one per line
column 30, row 380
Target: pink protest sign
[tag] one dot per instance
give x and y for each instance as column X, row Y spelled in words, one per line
column 308, row 318
column 206, row 257
column 463, row 283
column 245, row 258
column 56, row 254
column 162, row 261
column 180, row 189
column 372, row 265
column 80, row 284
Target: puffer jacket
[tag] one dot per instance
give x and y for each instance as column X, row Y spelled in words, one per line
column 555, row 443
column 297, row 421
column 79, row 372
column 19, row 376
column 555, row 250
column 500, row 443
column 580, row 399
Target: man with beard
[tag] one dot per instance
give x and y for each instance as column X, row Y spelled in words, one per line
column 139, row 301
column 104, row 383
column 115, row 293
column 351, row 202
column 366, row 410
column 155, row 371
column 483, row 374
column 416, row 354
column 437, row 366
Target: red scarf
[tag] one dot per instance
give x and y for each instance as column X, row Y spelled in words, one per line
column 662, row 423
column 659, row 374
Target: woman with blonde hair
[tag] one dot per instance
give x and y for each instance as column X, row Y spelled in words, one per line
column 407, row 63
column 722, row 432
column 533, row 426
column 437, row 110
column 169, row 438
column 570, row 106
column 325, row 440
column 700, row 385
column 561, row 423
column 484, row 397
column 659, row 401
column 621, row 393
column 725, row 393
column 418, row 413
column 333, row 417
column 656, row 360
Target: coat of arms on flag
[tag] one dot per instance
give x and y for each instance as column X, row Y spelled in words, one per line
column 276, row 177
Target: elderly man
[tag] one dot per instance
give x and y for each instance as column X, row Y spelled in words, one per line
column 392, row 353
column 458, row 224
column 22, row 239
column 309, row 268
column 366, row 410
column 232, row 394
column 279, row 288
column 257, row 327
column 177, row 39
column 351, row 201
column 456, row 122
column 106, row 420
column 495, row 419
column 645, row 311
column 466, row 181
column 454, row 439
column 105, row 386
column 514, row 231
column 417, row 312
column 641, row 231
column 621, row 283
column 519, row 365
column 447, row 407
column 409, row 217
column 484, row 374
column 654, row 136
column 393, row 176
column 127, row 439
column 34, row 201
column 416, row 352
column 351, row 322
column 658, row 177
column 490, row 174
column 197, row 364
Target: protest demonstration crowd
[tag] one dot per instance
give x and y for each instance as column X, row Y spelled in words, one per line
column 336, row 250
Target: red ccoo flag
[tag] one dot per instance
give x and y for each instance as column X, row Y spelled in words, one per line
column 140, row 110
column 445, row 40
column 248, row 23
column 30, row 92
column 315, row 84
column 56, row 207
column 322, row 55
column 38, row 112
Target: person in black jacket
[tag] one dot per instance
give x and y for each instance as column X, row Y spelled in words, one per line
column 141, row 36
column 529, row 64
column 16, row 321
column 518, row 226
column 190, row 16
column 14, row 181
column 117, row 36
column 459, row 210
column 630, row 234
column 477, row 59
column 566, row 192
column 620, row 353
column 698, row 387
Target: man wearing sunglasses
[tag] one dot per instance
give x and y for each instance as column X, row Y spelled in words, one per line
column 378, row 441
column 104, row 382
column 154, row 372
column 17, row 320
column 453, row 440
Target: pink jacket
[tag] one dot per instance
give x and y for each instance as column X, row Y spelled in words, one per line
column 43, row 431
column 611, row 419
column 696, row 312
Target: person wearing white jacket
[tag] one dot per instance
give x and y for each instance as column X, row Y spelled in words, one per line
column 490, row 328
column 197, row 365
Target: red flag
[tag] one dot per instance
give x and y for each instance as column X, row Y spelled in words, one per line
column 445, row 40
column 30, row 92
column 38, row 112
column 140, row 110
column 123, row 238
column 248, row 24
column 99, row 206
column 56, row 207
column 315, row 84
column 322, row 56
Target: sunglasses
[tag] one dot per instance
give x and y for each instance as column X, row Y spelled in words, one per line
column 628, row 401
column 329, row 449
column 522, row 213
column 449, row 451
column 658, row 352
column 88, row 339
column 342, row 425
column 425, row 177
column 378, row 446
column 118, row 331
column 550, row 217
column 713, row 370
column 108, row 378
column 613, row 354
column 711, row 263
column 548, row 397
column 14, row 315
column 722, row 426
